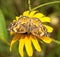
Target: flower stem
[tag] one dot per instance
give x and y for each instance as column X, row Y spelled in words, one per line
column 45, row 4
column 29, row 5
column 58, row 42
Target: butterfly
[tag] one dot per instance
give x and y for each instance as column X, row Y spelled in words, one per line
column 28, row 25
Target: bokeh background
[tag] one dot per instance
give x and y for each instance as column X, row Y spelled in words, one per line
column 9, row 9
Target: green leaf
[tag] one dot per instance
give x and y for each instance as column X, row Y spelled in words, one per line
column 3, row 30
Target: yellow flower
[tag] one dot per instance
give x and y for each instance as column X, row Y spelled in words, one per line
column 27, row 28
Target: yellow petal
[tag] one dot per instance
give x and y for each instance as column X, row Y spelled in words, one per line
column 11, row 33
column 21, row 46
column 35, row 43
column 26, row 13
column 28, row 46
column 32, row 13
column 46, row 39
column 14, row 21
column 17, row 18
column 38, row 15
column 49, row 29
column 16, row 37
column 45, row 19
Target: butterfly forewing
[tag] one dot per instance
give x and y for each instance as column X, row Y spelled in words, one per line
column 37, row 28
column 21, row 26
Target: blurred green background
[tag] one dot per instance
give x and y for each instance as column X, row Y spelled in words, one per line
column 9, row 9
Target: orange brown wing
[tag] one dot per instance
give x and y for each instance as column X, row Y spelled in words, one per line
column 37, row 28
column 21, row 26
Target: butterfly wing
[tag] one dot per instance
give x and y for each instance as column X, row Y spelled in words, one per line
column 21, row 26
column 37, row 28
